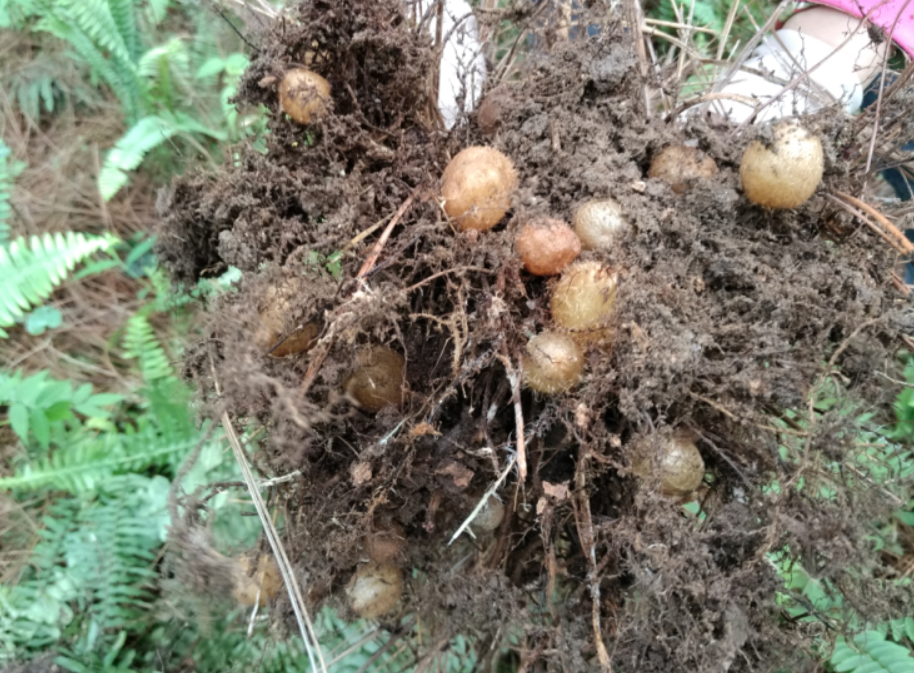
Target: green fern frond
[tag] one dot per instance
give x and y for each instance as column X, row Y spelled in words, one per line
column 81, row 467
column 94, row 18
column 127, row 154
column 141, row 344
column 91, row 572
column 871, row 653
column 29, row 271
column 168, row 68
column 34, row 612
column 112, row 553
column 118, row 75
column 122, row 11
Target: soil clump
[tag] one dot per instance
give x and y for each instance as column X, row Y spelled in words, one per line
column 725, row 312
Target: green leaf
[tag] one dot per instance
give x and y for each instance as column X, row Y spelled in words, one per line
column 41, row 428
column 42, row 319
column 19, row 420
column 59, row 411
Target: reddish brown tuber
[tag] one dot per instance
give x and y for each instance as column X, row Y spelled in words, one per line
column 547, row 246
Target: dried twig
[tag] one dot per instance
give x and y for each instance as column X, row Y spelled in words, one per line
column 908, row 247
column 372, row 258
column 514, row 376
column 584, row 522
column 868, row 222
column 485, row 498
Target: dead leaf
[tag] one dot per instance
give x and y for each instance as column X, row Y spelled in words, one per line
column 360, row 473
column 424, row 429
column 557, row 491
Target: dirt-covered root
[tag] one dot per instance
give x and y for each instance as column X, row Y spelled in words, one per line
column 721, row 315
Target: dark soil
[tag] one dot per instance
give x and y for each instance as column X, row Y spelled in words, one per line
column 726, row 315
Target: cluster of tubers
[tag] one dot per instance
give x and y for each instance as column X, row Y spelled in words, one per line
column 782, row 173
column 477, row 187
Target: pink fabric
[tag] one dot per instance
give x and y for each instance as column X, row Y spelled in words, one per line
column 882, row 13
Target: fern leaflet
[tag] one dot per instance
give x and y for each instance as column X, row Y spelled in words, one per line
column 30, row 272
column 871, row 653
column 123, row 15
column 141, row 344
column 127, row 154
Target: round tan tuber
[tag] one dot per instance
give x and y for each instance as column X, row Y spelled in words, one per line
column 553, row 363
column 547, row 246
column 385, row 545
column 584, row 298
column 674, row 457
column 680, row 165
column 785, row 173
column 378, row 378
column 304, row 95
column 277, row 307
column 600, row 224
column 477, row 186
column 256, row 585
column 375, row 589
column 490, row 516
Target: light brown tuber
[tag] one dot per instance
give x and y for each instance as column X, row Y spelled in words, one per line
column 672, row 460
column 375, row 589
column 600, row 224
column 584, row 299
column 304, row 95
column 276, row 310
column 490, row 516
column 680, row 166
column 552, row 363
column 256, row 585
column 786, row 172
column 377, row 380
column 385, row 544
column 477, row 186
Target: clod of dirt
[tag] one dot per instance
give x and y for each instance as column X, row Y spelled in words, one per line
column 546, row 246
column 671, row 459
column 720, row 326
column 375, row 589
column 378, row 378
column 492, row 109
column 490, row 516
column 681, row 166
column 601, row 224
column 552, row 363
column 304, row 95
column 786, row 172
column 256, row 585
column 275, row 333
column 584, row 299
column 477, row 186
